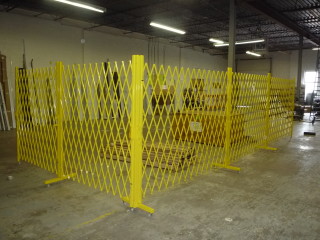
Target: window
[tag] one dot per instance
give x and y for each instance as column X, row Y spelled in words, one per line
column 310, row 82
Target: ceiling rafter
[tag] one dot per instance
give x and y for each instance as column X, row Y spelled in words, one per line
column 201, row 19
column 308, row 8
column 277, row 16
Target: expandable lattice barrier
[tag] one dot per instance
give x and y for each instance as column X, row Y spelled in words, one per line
column 133, row 129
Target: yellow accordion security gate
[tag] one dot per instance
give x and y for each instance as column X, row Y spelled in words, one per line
column 135, row 129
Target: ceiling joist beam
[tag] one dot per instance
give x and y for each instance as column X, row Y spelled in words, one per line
column 265, row 9
column 314, row 7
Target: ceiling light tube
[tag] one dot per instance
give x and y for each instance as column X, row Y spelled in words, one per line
column 221, row 45
column 171, row 29
column 249, row 41
column 253, row 54
column 316, row 48
column 83, row 5
column 214, row 40
column 241, row 42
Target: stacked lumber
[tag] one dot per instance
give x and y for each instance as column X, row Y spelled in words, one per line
column 172, row 157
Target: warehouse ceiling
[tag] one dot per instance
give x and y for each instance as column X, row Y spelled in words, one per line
column 279, row 22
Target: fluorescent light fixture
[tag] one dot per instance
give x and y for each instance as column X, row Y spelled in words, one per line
column 253, row 53
column 249, row 41
column 171, row 29
column 83, row 5
column 214, row 40
column 316, row 48
column 221, row 45
column 241, row 42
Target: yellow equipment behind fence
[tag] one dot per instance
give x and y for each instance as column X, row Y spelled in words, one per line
column 135, row 129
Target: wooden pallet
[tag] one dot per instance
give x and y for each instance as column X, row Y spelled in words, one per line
column 168, row 157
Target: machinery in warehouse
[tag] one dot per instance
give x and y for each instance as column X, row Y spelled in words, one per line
column 315, row 104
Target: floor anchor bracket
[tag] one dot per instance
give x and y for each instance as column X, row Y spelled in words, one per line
column 59, row 179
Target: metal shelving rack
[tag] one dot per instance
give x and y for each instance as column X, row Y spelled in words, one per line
column 315, row 110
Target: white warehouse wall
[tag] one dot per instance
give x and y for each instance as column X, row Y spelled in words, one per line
column 48, row 41
column 309, row 58
column 283, row 64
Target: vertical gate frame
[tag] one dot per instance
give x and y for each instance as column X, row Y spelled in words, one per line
column 136, row 130
column 17, row 112
column 228, row 114
column 59, row 124
column 267, row 116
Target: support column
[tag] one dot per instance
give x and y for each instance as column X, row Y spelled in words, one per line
column 299, row 70
column 228, row 107
column 232, row 34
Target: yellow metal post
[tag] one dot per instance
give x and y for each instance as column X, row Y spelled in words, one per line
column 59, row 94
column 59, row 125
column 18, row 106
column 135, row 199
column 227, row 143
column 267, row 116
column 136, row 130
column 292, row 92
column 228, row 112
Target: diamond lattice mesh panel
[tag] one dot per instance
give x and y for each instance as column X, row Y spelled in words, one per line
column 281, row 108
column 96, row 125
column 183, row 126
column 35, row 116
column 82, row 121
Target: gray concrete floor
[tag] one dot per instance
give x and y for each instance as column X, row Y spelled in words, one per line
column 275, row 196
